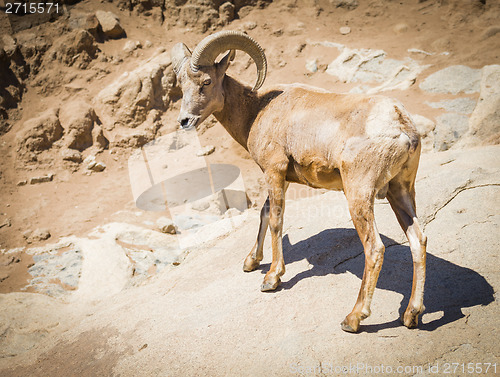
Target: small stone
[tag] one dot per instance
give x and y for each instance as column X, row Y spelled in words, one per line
column 200, row 206
column 36, row 235
column 9, row 45
column 249, row 25
column 312, row 65
column 42, row 179
column 110, row 25
column 209, row 149
column 346, row 4
column 71, row 155
column 24, row 182
column 344, row 30
column 400, row 28
column 98, row 166
column 278, row 32
column 131, row 46
column 94, row 165
column 6, row 223
column 166, row 225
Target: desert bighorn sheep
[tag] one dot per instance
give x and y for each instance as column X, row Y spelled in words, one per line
column 366, row 146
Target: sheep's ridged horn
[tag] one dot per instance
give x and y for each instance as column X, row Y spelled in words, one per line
column 179, row 54
column 209, row 48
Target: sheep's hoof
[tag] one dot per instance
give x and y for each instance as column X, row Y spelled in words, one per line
column 270, row 286
column 410, row 318
column 350, row 326
column 250, row 265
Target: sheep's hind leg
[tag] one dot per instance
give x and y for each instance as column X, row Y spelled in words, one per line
column 402, row 200
column 253, row 259
column 361, row 209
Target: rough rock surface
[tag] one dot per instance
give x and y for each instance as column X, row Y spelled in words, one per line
column 129, row 100
column 77, row 118
column 367, row 65
column 40, row 133
column 484, row 123
column 199, row 307
column 450, row 127
column 75, row 48
column 454, row 79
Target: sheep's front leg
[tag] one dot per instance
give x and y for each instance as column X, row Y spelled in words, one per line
column 253, row 259
column 277, row 188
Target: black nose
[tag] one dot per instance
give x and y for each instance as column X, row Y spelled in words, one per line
column 184, row 122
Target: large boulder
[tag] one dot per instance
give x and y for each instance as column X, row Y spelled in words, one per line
column 77, row 48
column 40, row 133
column 484, row 123
column 77, row 118
column 131, row 97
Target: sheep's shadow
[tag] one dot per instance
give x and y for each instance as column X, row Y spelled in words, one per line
column 448, row 288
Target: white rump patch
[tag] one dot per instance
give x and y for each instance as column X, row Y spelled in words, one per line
column 383, row 119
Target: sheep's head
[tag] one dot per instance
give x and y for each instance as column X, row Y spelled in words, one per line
column 200, row 77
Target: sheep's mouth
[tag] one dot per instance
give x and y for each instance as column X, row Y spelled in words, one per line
column 188, row 123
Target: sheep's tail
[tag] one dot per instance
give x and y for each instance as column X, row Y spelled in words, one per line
column 409, row 129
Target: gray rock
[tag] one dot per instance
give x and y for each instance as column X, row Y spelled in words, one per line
column 449, row 129
column 110, row 24
column 453, row 80
column 368, row 66
column 312, row 65
column 457, row 105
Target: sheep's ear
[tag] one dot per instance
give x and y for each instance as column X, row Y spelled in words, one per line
column 224, row 63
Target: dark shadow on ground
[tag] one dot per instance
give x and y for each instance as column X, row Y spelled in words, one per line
column 449, row 287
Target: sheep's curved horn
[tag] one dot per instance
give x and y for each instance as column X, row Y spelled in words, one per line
column 209, row 48
column 179, row 54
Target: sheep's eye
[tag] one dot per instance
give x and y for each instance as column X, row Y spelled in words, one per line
column 207, row 82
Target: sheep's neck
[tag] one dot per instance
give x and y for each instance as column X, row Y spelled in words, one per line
column 240, row 109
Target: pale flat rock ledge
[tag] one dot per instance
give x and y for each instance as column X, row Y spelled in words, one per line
column 207, row 317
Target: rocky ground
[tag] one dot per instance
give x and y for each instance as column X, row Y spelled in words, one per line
column 99, row 276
